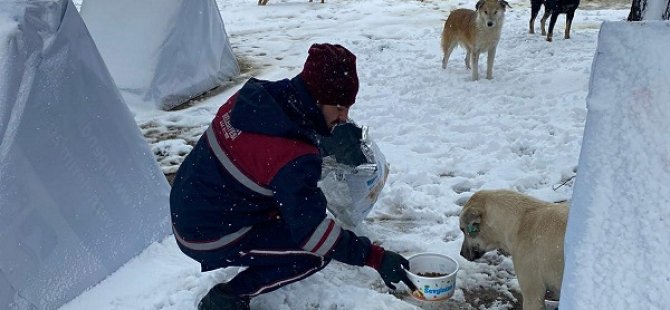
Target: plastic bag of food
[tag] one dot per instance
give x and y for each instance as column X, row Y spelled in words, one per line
column 353, row 174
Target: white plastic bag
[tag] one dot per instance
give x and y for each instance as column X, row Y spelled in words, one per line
column 352, row 188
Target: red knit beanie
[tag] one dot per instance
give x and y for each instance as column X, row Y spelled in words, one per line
column 330, row 74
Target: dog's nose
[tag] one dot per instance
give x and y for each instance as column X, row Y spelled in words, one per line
column 490, row 24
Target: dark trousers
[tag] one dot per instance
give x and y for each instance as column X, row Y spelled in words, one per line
column 271, row 257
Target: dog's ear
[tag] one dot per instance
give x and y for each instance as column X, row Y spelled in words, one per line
column 504, row 4
column 472, row 219
column 472, row 229
column 479, row 4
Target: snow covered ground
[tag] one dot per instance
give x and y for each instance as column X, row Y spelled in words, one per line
column 444, row 135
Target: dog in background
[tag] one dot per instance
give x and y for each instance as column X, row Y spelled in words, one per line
column 553, row 8
column 530, row 230
column 264, row 2
column 477, row 31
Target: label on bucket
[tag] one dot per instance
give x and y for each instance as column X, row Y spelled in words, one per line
column 434, row 293
column 437, row 291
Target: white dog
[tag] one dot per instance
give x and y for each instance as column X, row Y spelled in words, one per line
column 530, row 230
column 477, row 31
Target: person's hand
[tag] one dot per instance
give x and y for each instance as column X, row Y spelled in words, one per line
column 392, row 270
column 391, row 267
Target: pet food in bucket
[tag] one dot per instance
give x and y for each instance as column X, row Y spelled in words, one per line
column 434, row 276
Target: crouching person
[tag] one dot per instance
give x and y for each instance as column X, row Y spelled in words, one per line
column 247, row 193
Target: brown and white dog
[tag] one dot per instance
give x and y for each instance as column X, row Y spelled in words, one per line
column 530, row 230
column 477, row 31
column 264, row 2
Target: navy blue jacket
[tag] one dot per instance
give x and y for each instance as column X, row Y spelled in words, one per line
column 259, row 160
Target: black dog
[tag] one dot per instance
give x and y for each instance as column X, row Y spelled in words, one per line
column 553, row 8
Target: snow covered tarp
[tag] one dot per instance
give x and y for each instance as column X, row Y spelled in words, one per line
column 161, row 53
column 616, row 244
column 80, row 191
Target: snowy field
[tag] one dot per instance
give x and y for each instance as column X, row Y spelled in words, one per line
column 444, row 136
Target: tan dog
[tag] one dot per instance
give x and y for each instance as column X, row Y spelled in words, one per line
column 477, row 31
column 264, row 2
column 530, row 230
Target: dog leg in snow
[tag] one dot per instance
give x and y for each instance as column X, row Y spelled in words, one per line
column 534, row 9
column 475, row 65
column 467, row 59
column 552, row 23
column 489, row 63
column 533, row 290
column 543, row 21
column 447, row 53
column 531, row 25
column 568, row 23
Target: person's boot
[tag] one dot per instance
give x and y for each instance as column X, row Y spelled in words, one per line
column 220, row 297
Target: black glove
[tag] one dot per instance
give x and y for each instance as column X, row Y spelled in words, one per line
column 390, row 265
column 345, row 144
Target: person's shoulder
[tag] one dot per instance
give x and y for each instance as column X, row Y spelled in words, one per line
column 262, row 83
column 255, row 87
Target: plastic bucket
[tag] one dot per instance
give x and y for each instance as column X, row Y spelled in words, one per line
column 434, row 276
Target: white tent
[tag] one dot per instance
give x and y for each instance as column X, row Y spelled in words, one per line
column 80, row 190
column 161, row 53
column 616, row 244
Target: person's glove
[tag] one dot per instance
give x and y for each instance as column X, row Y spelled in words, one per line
column 390, row 265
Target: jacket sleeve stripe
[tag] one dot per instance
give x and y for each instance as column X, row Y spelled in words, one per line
column 230, row 166
column 283, row 282
column 211, row 245
column 323, row 238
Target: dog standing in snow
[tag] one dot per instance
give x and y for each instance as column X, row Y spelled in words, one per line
column 530, row 230
column 477, row 31
column 552, row 8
